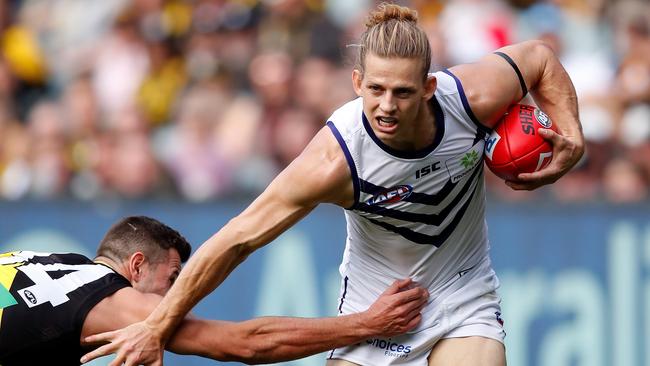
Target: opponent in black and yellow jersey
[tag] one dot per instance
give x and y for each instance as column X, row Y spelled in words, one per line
column 44, row 300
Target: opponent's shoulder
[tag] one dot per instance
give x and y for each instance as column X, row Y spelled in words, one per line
column 119, row 309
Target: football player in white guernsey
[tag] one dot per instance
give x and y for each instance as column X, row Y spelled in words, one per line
column 405, row 161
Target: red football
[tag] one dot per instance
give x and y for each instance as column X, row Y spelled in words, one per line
column 515, row 145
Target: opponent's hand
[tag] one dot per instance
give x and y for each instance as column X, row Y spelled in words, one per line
column 397, row 310
column 567, row 151
column 137, row 344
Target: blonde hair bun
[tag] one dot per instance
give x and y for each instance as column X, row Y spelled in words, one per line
column 386, row 12
column 392, row 31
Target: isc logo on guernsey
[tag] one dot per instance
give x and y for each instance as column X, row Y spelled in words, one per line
column 391, row 349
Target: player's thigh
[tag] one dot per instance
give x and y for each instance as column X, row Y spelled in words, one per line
column 335, row 362
column 468, row 351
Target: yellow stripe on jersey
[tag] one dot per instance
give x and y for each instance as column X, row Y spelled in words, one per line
column 8, row 272
column 7, row 275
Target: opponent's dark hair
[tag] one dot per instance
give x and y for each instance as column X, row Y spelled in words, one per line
column 392, row 31
column 142, row 234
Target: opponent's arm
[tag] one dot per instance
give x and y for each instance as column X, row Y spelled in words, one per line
column 261, row 340
column 319, row 174
column 277, row 339
column 491, row 85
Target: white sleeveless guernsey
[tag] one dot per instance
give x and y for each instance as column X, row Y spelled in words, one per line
column 418, row 215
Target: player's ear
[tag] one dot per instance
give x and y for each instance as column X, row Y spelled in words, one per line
column 136, row 262
column 357, row 79
column 430, row 85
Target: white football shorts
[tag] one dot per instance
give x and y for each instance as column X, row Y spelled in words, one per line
column 469, row 306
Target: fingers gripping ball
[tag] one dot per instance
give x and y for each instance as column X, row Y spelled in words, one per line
column 515, row 145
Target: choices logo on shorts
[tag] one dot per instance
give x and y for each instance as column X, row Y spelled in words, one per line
column 391, row 349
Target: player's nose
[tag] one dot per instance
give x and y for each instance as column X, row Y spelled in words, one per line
column 387, row 103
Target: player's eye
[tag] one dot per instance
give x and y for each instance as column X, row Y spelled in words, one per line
column 403, row 93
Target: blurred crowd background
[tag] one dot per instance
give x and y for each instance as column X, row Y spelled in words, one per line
column 203, row 99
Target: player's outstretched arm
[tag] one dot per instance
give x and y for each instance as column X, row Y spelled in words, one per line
column 492, row 85
column 319, row 174
column 267, row 339
column 278, row 339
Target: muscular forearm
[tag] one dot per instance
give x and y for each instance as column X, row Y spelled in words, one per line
column 268, row 339
column 555, row 94
column 282, row 339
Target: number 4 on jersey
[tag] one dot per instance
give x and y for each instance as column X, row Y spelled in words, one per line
column 55, row 291
column 53, row 288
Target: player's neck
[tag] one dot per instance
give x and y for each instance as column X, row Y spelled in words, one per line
column 424, row 129
column 425, row 126
column 115, row 266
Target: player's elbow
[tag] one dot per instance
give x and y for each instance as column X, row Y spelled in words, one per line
column 258, row 341
column 220, row 341
column 538, row 48
column 228, row 352
column 245, row 354
column 251, row 351
column 540, row 51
